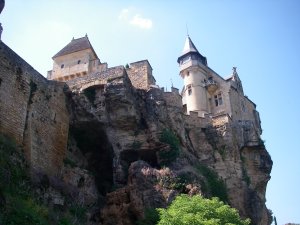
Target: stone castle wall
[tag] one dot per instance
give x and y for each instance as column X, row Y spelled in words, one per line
column 33, row 112
column 140, row 74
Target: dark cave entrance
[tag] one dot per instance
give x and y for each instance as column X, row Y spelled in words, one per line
column 91, row 139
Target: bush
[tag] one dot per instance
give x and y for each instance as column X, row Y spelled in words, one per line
column 168, row 137
column 18, row 201
column 197, row 210
column 151, row 217
column 214, row 185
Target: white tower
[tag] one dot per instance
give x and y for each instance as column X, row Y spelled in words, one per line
column 193, row 71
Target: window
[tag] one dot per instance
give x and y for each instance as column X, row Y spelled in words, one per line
column 218, row 99
column 62, row 66
column 189, row 88
column 188, row 73
column 79, row 61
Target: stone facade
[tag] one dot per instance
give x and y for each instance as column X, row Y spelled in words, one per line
column 207, row 93
column 78, row 59
column 140, row 74
column 33, row 111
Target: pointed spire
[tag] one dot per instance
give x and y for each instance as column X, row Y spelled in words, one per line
column 189, row 46
column 190, row 49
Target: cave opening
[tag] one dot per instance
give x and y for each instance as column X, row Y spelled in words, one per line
column 91, row 139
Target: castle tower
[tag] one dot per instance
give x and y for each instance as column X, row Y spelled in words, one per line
column 193, row 68
column 76, row 59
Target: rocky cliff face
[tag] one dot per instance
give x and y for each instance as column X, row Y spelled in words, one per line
column 130, row 150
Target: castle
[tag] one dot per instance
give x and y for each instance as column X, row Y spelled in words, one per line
column 107, row 122
column 206, row 97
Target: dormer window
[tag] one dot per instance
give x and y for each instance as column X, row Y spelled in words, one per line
column 62, row 66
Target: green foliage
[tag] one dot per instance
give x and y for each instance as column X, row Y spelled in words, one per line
column 79, row 212
column 197, row 210
column 90, row 93
column 176, row 182
column 151, row 217
column 24, row 211
column 214, row 185
column 169, row 156
column 136, row 145
column 18, row 203
column 69, row 162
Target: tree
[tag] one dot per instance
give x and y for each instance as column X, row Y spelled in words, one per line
column 196, row 210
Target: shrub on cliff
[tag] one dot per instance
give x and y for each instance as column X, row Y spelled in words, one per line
column 167, row 156
column 196, row 210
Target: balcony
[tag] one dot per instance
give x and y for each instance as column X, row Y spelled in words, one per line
column 211, row 85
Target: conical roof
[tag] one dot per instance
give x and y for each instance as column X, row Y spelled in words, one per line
column 189, row 46
column 190, row 49
column 76, row 45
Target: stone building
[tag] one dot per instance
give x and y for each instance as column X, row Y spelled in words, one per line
column 205, row 94
column 208, row 94
column 79, row 59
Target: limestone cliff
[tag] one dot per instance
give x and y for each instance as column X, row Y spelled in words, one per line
column 105, row 142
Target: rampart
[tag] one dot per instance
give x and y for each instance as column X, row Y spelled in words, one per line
column 99, row 78
column 33, row 112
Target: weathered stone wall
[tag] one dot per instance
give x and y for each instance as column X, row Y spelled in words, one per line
column 140, row 74
column 99, row 78
column 33, row 111
column 193, row 120
column 173, row 99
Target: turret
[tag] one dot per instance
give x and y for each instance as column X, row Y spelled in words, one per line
column 193, row 67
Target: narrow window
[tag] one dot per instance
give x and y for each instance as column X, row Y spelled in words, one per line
column 62, row 66
column 218, row 99
column 189, row 89
column 79, row 61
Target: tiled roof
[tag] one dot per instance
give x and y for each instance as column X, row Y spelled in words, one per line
column 75, row 45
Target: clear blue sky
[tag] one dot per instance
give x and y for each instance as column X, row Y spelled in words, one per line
column 260, row 38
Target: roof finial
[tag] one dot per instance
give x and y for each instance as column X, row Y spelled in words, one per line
column 86, row 34
column 187, row 30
